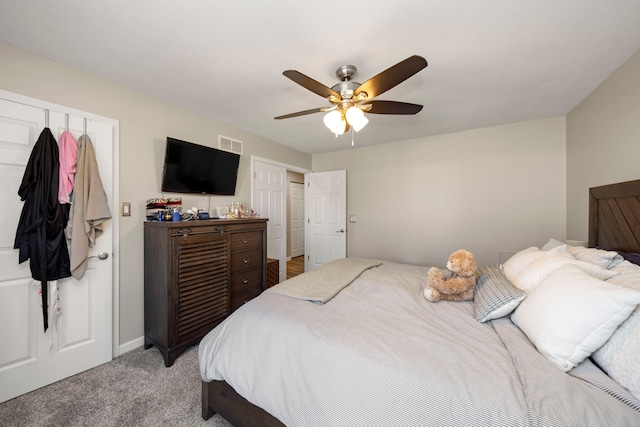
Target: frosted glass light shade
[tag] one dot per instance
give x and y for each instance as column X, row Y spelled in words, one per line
column 356, row 118
column 335, row 122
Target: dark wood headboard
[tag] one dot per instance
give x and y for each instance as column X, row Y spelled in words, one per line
column 614, row 216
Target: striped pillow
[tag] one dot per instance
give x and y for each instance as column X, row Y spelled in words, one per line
column 495, row 296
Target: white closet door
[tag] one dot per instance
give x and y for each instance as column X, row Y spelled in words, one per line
column 80, row 337
column 269, row 201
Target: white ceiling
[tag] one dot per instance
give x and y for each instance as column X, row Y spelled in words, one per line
column 491, row 62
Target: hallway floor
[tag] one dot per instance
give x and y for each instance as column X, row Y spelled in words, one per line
column 295, row 266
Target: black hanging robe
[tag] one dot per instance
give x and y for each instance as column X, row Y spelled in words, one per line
column 40, row 235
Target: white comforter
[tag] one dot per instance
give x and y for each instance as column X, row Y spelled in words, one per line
column 379, row 354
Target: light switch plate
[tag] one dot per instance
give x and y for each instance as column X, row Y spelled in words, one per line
column 353, row 219
column 126, row 208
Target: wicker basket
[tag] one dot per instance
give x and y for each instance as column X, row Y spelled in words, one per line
column 273, row 272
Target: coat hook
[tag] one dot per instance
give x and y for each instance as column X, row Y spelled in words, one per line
column 66, row 122
column 46, row 118
column 84, row 124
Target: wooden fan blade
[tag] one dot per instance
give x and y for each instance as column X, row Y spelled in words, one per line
column 392, row 107
column 391, row 77
column 312, row 85
column 301, row 113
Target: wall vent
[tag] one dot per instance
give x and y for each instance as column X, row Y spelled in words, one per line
column 229, row 144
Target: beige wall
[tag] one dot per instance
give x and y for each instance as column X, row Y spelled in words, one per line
column 486, row 190
column 603, row 142
column 145, row 122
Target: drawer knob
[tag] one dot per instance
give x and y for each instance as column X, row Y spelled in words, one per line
column 245, row 241
column 245, row 260
column 245, row 281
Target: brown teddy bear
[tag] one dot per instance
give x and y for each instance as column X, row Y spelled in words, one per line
column 455, row 284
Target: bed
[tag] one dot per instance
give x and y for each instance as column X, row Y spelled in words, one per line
column 375, row 352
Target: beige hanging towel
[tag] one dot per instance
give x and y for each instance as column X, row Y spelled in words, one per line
column 89, row 208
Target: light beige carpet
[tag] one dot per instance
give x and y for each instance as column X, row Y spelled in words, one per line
column 134, row 389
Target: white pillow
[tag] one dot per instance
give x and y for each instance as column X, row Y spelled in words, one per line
column 552, row 243
column 571, row 314
column 538, row 270
column 605, row 259
column 619, row 357
column 520, row 260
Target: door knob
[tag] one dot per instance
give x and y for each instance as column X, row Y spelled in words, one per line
column 101, row 256
column 340, row 231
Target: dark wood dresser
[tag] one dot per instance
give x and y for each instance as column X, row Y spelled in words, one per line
column 196, row 273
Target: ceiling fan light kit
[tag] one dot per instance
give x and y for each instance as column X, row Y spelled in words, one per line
column 336, row 122
column 355, row 117
column 350, row 100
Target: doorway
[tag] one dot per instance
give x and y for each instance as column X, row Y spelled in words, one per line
column 270, row 198
column 295, row 223
column 323, row 212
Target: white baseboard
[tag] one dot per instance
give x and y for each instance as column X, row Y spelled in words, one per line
column 131, row 345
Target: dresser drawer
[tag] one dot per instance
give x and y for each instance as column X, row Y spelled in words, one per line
column 246, row 260
column 240, row 298
column 246, row 279
column 246, row 240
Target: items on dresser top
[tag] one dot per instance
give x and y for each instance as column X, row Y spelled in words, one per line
column 170, row 209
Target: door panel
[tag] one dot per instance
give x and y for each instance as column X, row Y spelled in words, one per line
column 80, row 312
column 15, row 297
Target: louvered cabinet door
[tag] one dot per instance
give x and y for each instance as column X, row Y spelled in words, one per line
column 201, row 288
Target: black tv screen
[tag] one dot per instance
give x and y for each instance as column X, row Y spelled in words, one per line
column 193, row 168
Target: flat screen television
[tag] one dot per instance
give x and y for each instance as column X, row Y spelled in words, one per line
column 193, row 168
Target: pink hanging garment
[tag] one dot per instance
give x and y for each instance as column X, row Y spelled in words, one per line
column 68, row 149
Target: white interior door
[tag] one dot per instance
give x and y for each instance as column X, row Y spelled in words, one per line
column 326, row 209
column 269, row 201
column 80, row 336
column 296, row 218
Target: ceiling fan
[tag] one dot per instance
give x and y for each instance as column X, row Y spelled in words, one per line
column 350, row 100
